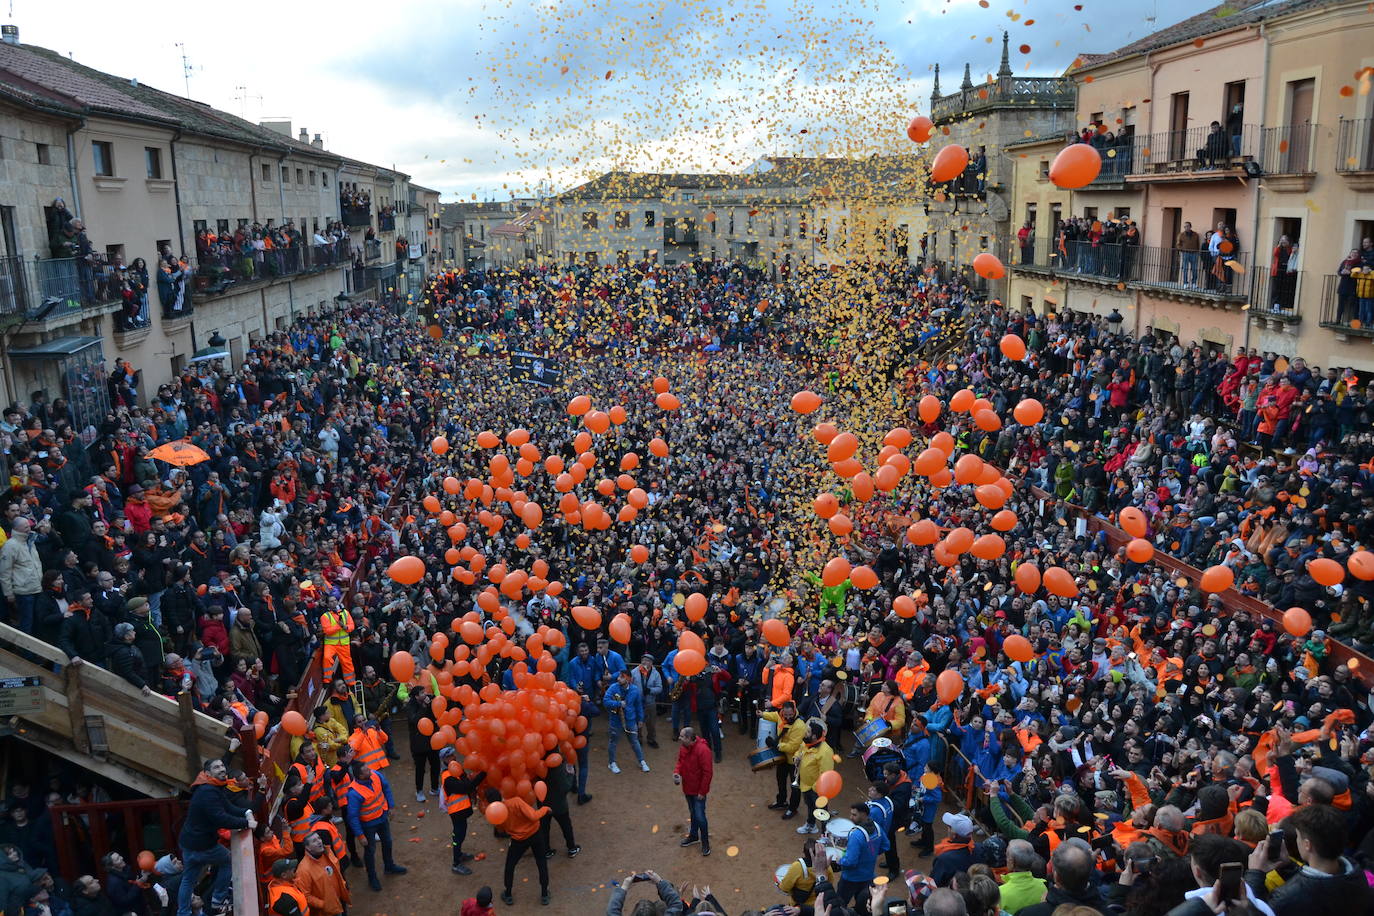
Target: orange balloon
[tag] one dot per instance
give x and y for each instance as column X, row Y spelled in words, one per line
column 695, row 606
column 1133, row 522
column 840, row 524
column 579, row 406
column 887, row 478
column 862, row 487
column 967, row 469
column 497, row 813
column 829, row 784
column 146, row 860
column 689, row 662
column 617, row 414
column 1297, row 621
column 919, row 129
column 1058, row 581
column 948, row 686
column 841, row 447
column 943, row 556
column 1140, row 550
column 837, row 569
column 689, row 640
column 1018, row 648
column 588, row 618
column 425, row 726
column 439, row 446
column 949, row 163
column 431, row 504
column 923, row 533
column 293, row 723
column 944, row 442
column 863, row 577
column 805, row 402
column 1029, row 412
column 826, row 505
column 1076, row 166
column 824, row 432
column 620, row 628
column 931, row 461
column 904, row 606
column 961, row 401
column 898, row 437
column 990, row 497
column 959, row 540
column 989, row 266
column 629, row 461
column 1027, row 578
column 407, row 570
column 776, row 633
column 667, row 401
column 597, row 421
column 929, row 408
column 488, row 439
column 1013, row 347
column 1361, row 565
column 1003, row 521
column 658, row 447
column 402, row 666
column 639, row 553
column 987, row 421
column 1326, row 571
column 988, row 547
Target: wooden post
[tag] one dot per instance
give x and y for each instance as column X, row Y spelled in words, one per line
column 245, row 870
column 189, row 735
column 76, row 708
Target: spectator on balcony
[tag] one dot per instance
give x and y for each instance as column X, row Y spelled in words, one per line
column 1283, row 275
column 84, row 254
column 1214, row 148
column 1026, row 237
column 1346, row 307
column 1234, row 127
column 171, row 288
column 60, row 232
column 1188, row 244
column 135, row 293
column 1364, row 291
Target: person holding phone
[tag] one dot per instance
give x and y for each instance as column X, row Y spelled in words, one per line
column 1218, row 865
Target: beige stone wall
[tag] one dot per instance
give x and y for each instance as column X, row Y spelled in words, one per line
column 28, row 185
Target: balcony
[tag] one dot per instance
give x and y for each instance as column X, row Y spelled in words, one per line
column 1007, row 92
column 386, row 222
column 355, row 216
column 1143, row 267
column 373, row 249
column 1340, row 308
column 219, row 275
column 1287, row 157
column 1195, row 154
column 1118, row 157
column 1275, row 300
column 55, row 292
column 675, row 235
column 1355, row 153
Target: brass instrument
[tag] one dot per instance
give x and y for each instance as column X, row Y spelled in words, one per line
column 678, row 686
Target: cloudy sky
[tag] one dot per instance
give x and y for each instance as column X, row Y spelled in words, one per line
column 499, row 98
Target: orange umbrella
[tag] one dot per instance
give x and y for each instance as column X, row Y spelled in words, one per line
column 180, row 453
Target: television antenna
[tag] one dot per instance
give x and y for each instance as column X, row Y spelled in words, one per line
column 186, row 67
column 242, row 94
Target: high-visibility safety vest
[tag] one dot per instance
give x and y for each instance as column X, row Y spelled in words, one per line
column 369, row 746
column 279, row 888
column 315, row 779
column 455, row 804
column 300, row 827
column 320, row 824
column 340, row 621
column 339, row 780
column 374, row 800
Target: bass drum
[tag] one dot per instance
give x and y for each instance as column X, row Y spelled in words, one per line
column 853, row 696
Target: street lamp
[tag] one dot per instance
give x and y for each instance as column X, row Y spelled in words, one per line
column 216, row 341
column 1114, row 321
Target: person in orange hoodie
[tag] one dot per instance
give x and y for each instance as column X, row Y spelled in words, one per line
column 522, row 826
column 321, row 879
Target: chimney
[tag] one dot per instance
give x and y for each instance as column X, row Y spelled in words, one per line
column 317, row 142
column 305, row 135
column 9, row 34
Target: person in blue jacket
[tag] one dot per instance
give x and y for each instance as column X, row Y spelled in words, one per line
column 925, row 804
column 624, row 708
column 369, row 800
column 916, row 749
column 866, row 841
column 210, row 811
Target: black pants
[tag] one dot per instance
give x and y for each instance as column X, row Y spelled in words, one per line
column 432, row 758
column 890, row 860
column 516, row 851
column 460, row 834
column 788, row 794
column 564, row 823
column 925, row 843
column 749, row 710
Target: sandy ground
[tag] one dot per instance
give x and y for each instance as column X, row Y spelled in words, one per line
column 633, row 823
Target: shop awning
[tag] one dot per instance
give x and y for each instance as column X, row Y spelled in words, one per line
column 61, row 346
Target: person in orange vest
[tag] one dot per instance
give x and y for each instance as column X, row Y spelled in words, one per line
column 337, row 625
column 369, row 800
column 284, row 898
column 322, row 823
column 456, row 797
column 337, row 780
column 369, row 744
column 911, row 675
column 311, row 770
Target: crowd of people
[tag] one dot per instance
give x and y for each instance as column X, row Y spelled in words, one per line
column 255, row 250
column 1156, row 739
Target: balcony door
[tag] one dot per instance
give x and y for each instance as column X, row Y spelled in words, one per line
column 1178, row 127
column 1299, row 125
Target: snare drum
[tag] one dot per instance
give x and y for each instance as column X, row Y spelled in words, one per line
column 763, row 758
column 781, row 873
column 837, row 831
column 875, row 729
column 767, row 729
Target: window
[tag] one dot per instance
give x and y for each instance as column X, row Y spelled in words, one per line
column 588, row 219
column 166, row 244
column 300, row 176
column 324, row 179
column 152, row 156
column 221, row 227
column 649, row 217
column 44, row 154
column 1123, row 212
column 983, row 242
column 772, row 225
column 801, row 228
column 103, row 153
column 622, row 219
column 749, row 223
column 198, row 226
column 591, row 259
column 1044, row 169
column 243, row 222
column 787, row 225
column 266, row 172
column 732, row 222
column 285, row 175
column 312, row 178
column 114, row 254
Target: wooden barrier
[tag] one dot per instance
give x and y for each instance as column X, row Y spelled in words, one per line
column 84, row 834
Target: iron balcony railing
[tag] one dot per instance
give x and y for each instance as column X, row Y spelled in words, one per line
column 1016, row 91
column 48, row 287
column 217, row 272
column 355, row 217
column 373, row 248
column 1355, row 146
column 1278, row 295
column 1341, row 306
column 1197, row 149
column 1288, row 150
column 1144, row 265
column 386, row 222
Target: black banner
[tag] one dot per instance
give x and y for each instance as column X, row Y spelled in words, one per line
column 531, row 367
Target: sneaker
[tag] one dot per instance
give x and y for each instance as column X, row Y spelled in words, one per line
column 544, row 898
column 614, row 768
column 573, row 851
column 396, row 869
column 465, row 857
column 507, row 899
column 644, row 766
column 583, row 799
column 550, row 853
column 420, row 797
column 375, row 885
column 653, row 743
column 777, row 806
column 788, row 814
column 688, row 841
column 808, row 828
column 433, row 793
column 705, row 849
column 461, row 870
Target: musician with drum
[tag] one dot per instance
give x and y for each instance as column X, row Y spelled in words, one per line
column 886, row 717
column 787, row 742
column 799, row 878
column 815, row 758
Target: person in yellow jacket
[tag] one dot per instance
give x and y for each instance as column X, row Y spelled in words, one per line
column 337, row 625
column 330, row 735
column 788, row 742
column 815, row 758
column 799, row 881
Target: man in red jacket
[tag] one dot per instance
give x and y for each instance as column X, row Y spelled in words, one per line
column 693, row 773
